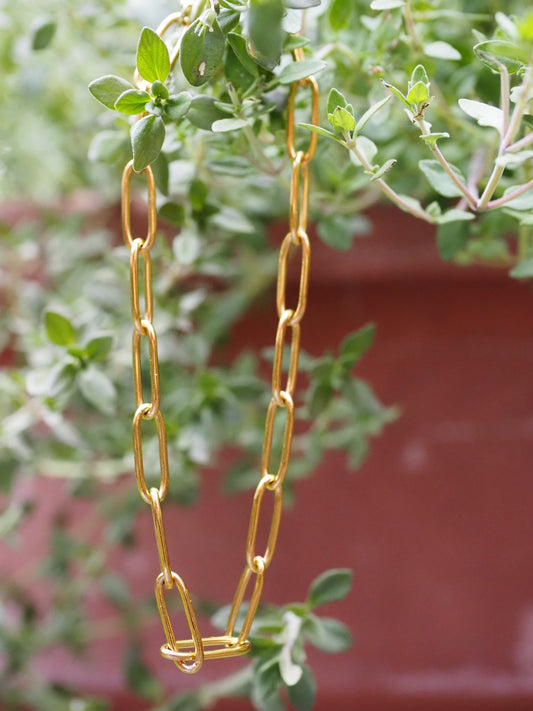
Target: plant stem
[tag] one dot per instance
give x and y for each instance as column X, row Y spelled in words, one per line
column 510, row 196
column 409, row 22
column 507, row 138
column 446, row 166
column 389, row 192
column 522, row 143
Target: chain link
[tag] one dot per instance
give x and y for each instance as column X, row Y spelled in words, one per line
column 189, row 654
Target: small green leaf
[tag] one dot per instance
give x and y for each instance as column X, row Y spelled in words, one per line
column 173, row 213
column 302, row 694
column 228, row 124
column 523, row 270
column 159, row 90
column 419, row 74
column 97, row 389
column 397, row 93
column 327, row 634
column 302, row 4
column 513, row 160
column 418, row 94
column 202, row 50
column 365, row 146
column 43, row 35
column 522, row 202
column 494, row 53
column 342, row 120
column 295, row 71
column 322, row 132
column 204, row 111
column 442, row 50
column 430, row 139
column 484, row 114
column 147, row 137
column 335, row 99
column 439, row 179
column 340, row 12
column 178, row 105
column 238, row 45
column 186, row 247
column 330, row 586
column 153, row 61
column 98, row 348
column 132, row 102
column 265, row 19
column 383, row 169
column 59, row 329
column 108, row 88
column 365, row 118
column 354, row 345
column 455, row 215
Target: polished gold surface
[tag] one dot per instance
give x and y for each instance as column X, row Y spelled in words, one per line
column 189, row 654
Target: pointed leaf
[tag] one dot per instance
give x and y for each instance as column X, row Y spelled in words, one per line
column 265, row 19
column 98, row 348
column 228, row 124
column 418, row 94
column 302, row 694
column 365, row 118
column 332, row 585
column 202, row 50
column 147, row 137
column 431, row 139
column 354, row 345
column 342, row 120
column 399, row 94
column 442, row 50
column 335, row 99
column 132, row 102
column 322, row 132
column 295, row 71
column 108, row 88
column 43, row 35
column 238, row 45
column 327, row 634
column 494, row 53
column 383, row 169
column 439, row 179
column 153, row 61
column 59, row 329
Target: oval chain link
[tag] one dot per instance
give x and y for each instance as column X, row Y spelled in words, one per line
column 189, row 654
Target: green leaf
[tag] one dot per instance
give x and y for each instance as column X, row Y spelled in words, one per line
column 452, row 239
column 204, row 112
column 430, row 139
column 228, row 124
column 132, row 101
column 140, row 679
column 323, row 132
column 418, row 94
column 494, row 53
column 383, row 169
column 484, row 114
column 523, row 270
column 365, row 118
column 97, row 389
column 238, row 45
column 522, row 202
column 159, row 90
column 335, row 99
column 59, row 329
column 365, row 146
column 108, row 89
column 98, row 348
column 330, row 586
column 202, row 50
column 302, row 4
column 147, row 137
column 173, row 213
column 265, row 19
column 354, row 345
column 513, row 160
column 439, row 178
column 419, row 74
column 327, row 634
column 340, row 12
column 386, row 4
column 295, row 71
column 178, row 105
column 455, row 215
column 341, row 120
column 43, row 35
column 302, row 695
column 442, row 50
column 153, row 61
column 398, row 94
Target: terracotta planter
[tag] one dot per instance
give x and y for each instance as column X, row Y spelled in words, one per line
column 437, row 524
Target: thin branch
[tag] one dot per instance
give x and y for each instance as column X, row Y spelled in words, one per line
column 510, row 196
column 522, row 143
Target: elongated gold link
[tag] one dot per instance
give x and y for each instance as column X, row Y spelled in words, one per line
column 189, row 654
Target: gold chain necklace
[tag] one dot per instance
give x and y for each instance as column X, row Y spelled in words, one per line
column 189, row 654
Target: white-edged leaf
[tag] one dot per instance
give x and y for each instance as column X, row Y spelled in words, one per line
column 441, row 50
column 386, row 4
column 522, row 202
column 512, row 160
column 295, row 71
column 484, row 114
column 228, row 124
